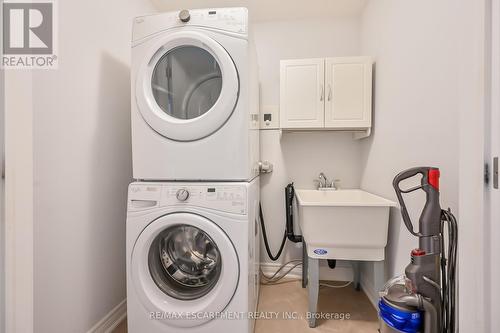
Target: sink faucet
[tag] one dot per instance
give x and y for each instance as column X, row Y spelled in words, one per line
column 324, row 184
column 323, row 181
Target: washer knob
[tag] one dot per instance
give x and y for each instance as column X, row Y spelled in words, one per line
column 184, row 15
column 182, row 194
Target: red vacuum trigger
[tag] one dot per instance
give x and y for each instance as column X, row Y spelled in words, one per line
column 434, row 178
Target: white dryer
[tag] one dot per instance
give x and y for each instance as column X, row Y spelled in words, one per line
column 192, row 257
column 194, row 96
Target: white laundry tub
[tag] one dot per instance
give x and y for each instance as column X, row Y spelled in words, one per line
column 344, row 224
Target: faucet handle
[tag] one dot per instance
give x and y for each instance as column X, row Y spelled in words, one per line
column 335, row 184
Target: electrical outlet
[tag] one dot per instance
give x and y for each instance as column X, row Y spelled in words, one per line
column 269, row 117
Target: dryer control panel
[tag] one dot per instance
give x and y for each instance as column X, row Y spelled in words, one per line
column 234, row 20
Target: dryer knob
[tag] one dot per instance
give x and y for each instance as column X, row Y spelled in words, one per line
column 182, row 194
column 184, row 15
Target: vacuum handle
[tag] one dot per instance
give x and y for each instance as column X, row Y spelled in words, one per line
column 424, row 171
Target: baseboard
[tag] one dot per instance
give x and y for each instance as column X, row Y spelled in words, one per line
column 110, row 321
column 343, row 271
column 369, row 291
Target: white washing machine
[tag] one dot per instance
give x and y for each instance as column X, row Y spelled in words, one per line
column 192, row 257
column 194, row 96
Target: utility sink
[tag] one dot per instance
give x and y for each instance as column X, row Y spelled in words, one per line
column 343, row 224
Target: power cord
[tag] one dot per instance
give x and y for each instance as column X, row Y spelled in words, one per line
column 448, row 271
column 335, row 286
column 276, row 279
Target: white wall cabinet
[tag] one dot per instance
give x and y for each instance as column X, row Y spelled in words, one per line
column 328, row 93
column 302, row 93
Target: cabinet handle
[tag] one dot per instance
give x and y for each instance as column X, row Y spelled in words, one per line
column 329, row 91
column 322, row 93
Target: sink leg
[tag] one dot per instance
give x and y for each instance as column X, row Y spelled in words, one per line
column 313, row 289
column 304, row 264
column 357, row 275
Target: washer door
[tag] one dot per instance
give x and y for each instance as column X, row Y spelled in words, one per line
column 184, row 267
column 187, row 87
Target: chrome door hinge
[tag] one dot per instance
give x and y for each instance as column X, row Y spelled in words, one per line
column 495, row 173
column 486, row 173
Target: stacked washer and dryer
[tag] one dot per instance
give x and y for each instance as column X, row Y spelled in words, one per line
column 192, row 232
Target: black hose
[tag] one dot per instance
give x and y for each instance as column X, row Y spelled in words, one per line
column 289, row 195
column 264, row 235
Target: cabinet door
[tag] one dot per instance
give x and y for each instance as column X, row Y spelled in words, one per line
column 348, row 92
column 302, row 93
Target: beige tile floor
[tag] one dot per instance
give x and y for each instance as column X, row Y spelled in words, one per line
column 291, row 298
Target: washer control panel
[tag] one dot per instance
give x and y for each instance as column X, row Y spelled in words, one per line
column 226, row 198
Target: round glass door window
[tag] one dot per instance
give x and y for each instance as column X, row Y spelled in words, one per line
column 184, row 262
column 186, row 82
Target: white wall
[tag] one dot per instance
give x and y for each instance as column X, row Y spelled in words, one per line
column 2, row 199
column 2, row 195
column 82, row 166
column 415, row 45
column 18, row 201
column 476, row 313
column 300, row 157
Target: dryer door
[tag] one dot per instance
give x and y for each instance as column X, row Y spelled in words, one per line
column 187, row 87
column 184, row 267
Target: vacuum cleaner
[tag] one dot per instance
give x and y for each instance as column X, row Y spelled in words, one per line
column 423, row 299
